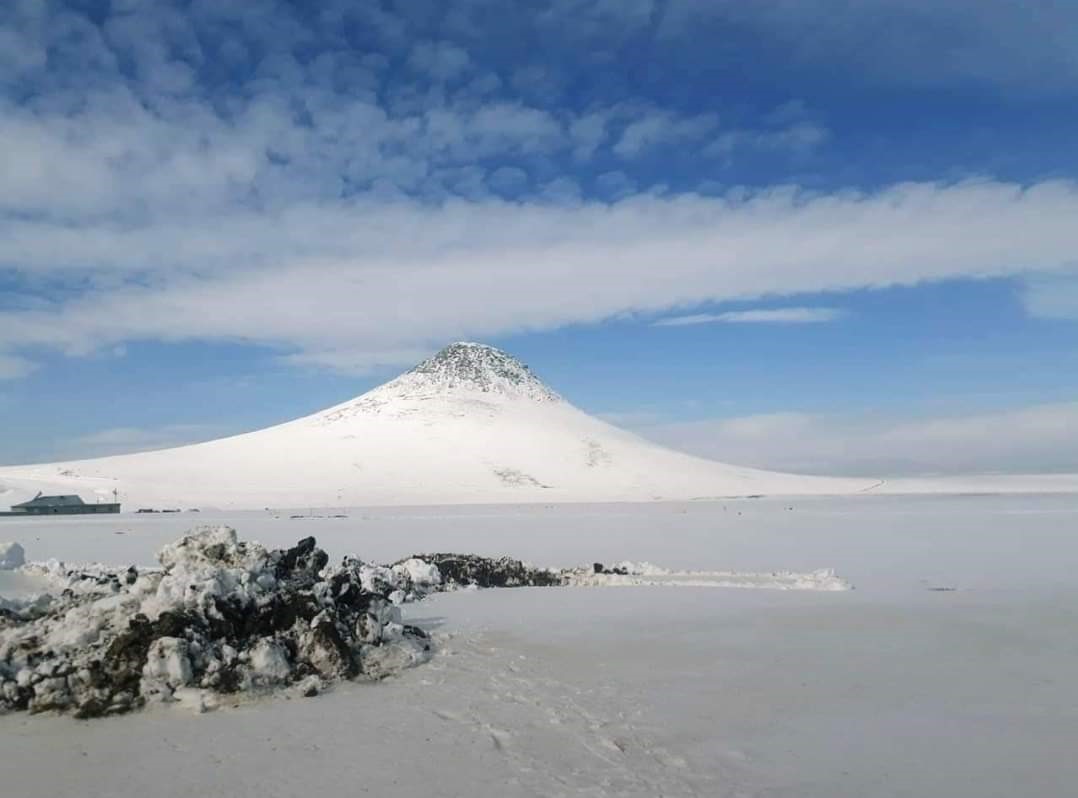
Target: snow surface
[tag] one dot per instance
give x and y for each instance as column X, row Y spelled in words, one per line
column 471, row 425
column 980, row 484
column 894, row 689
column 820, row 579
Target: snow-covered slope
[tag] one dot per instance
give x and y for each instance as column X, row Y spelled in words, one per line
column 471, row 424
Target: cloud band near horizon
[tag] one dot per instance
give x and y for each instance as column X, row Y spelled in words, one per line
column 355, row 284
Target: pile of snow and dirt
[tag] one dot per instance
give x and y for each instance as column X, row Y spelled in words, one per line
column 470, row 570
column 220, row 616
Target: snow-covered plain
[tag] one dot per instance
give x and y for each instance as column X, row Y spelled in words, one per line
column 947, row 671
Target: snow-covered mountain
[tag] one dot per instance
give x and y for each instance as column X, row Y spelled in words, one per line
column 471, row 424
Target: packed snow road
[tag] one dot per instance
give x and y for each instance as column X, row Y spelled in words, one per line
column 947, row 671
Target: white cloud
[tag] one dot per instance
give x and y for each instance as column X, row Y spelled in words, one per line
column 357, row 362
column 588, row 131
column 397, row 274
column 496, row 128
column 900, row 42
column 508, row 180
column 1052, row 297
column 797, row 138
column 121, row 440
column 615, row 185
column 662, row 127
column 19, row 53
column 755, row 316
column 441, row 60
column 13, row 367
column 632, row 418
column 561, row 190
column 538, row 82
column 1026, row 440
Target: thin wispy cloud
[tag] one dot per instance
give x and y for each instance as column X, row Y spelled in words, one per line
column 1052, row 297
column 13, row 367
column 801, row 315
column 909, row 42
column 1030, row 439
column 121, row 440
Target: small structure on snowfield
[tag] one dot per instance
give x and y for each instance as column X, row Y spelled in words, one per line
column 61, row 505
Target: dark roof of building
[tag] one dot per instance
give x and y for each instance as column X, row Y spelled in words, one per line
column 52, row 501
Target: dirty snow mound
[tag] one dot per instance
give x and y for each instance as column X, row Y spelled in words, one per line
column 470, row 570
column 221, row 616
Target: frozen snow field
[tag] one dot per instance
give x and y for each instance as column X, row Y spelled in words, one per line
column 949, row 670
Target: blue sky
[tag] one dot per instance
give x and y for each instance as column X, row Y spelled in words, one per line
column 795, row 234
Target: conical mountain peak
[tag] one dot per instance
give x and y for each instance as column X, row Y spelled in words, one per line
column 471, row 424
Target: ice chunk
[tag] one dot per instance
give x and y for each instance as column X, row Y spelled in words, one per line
column 167, row 668
column 268, row 663
column 12, row 556
column 422, row 573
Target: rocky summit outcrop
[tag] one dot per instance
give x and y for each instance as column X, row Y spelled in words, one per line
column 471, row 367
